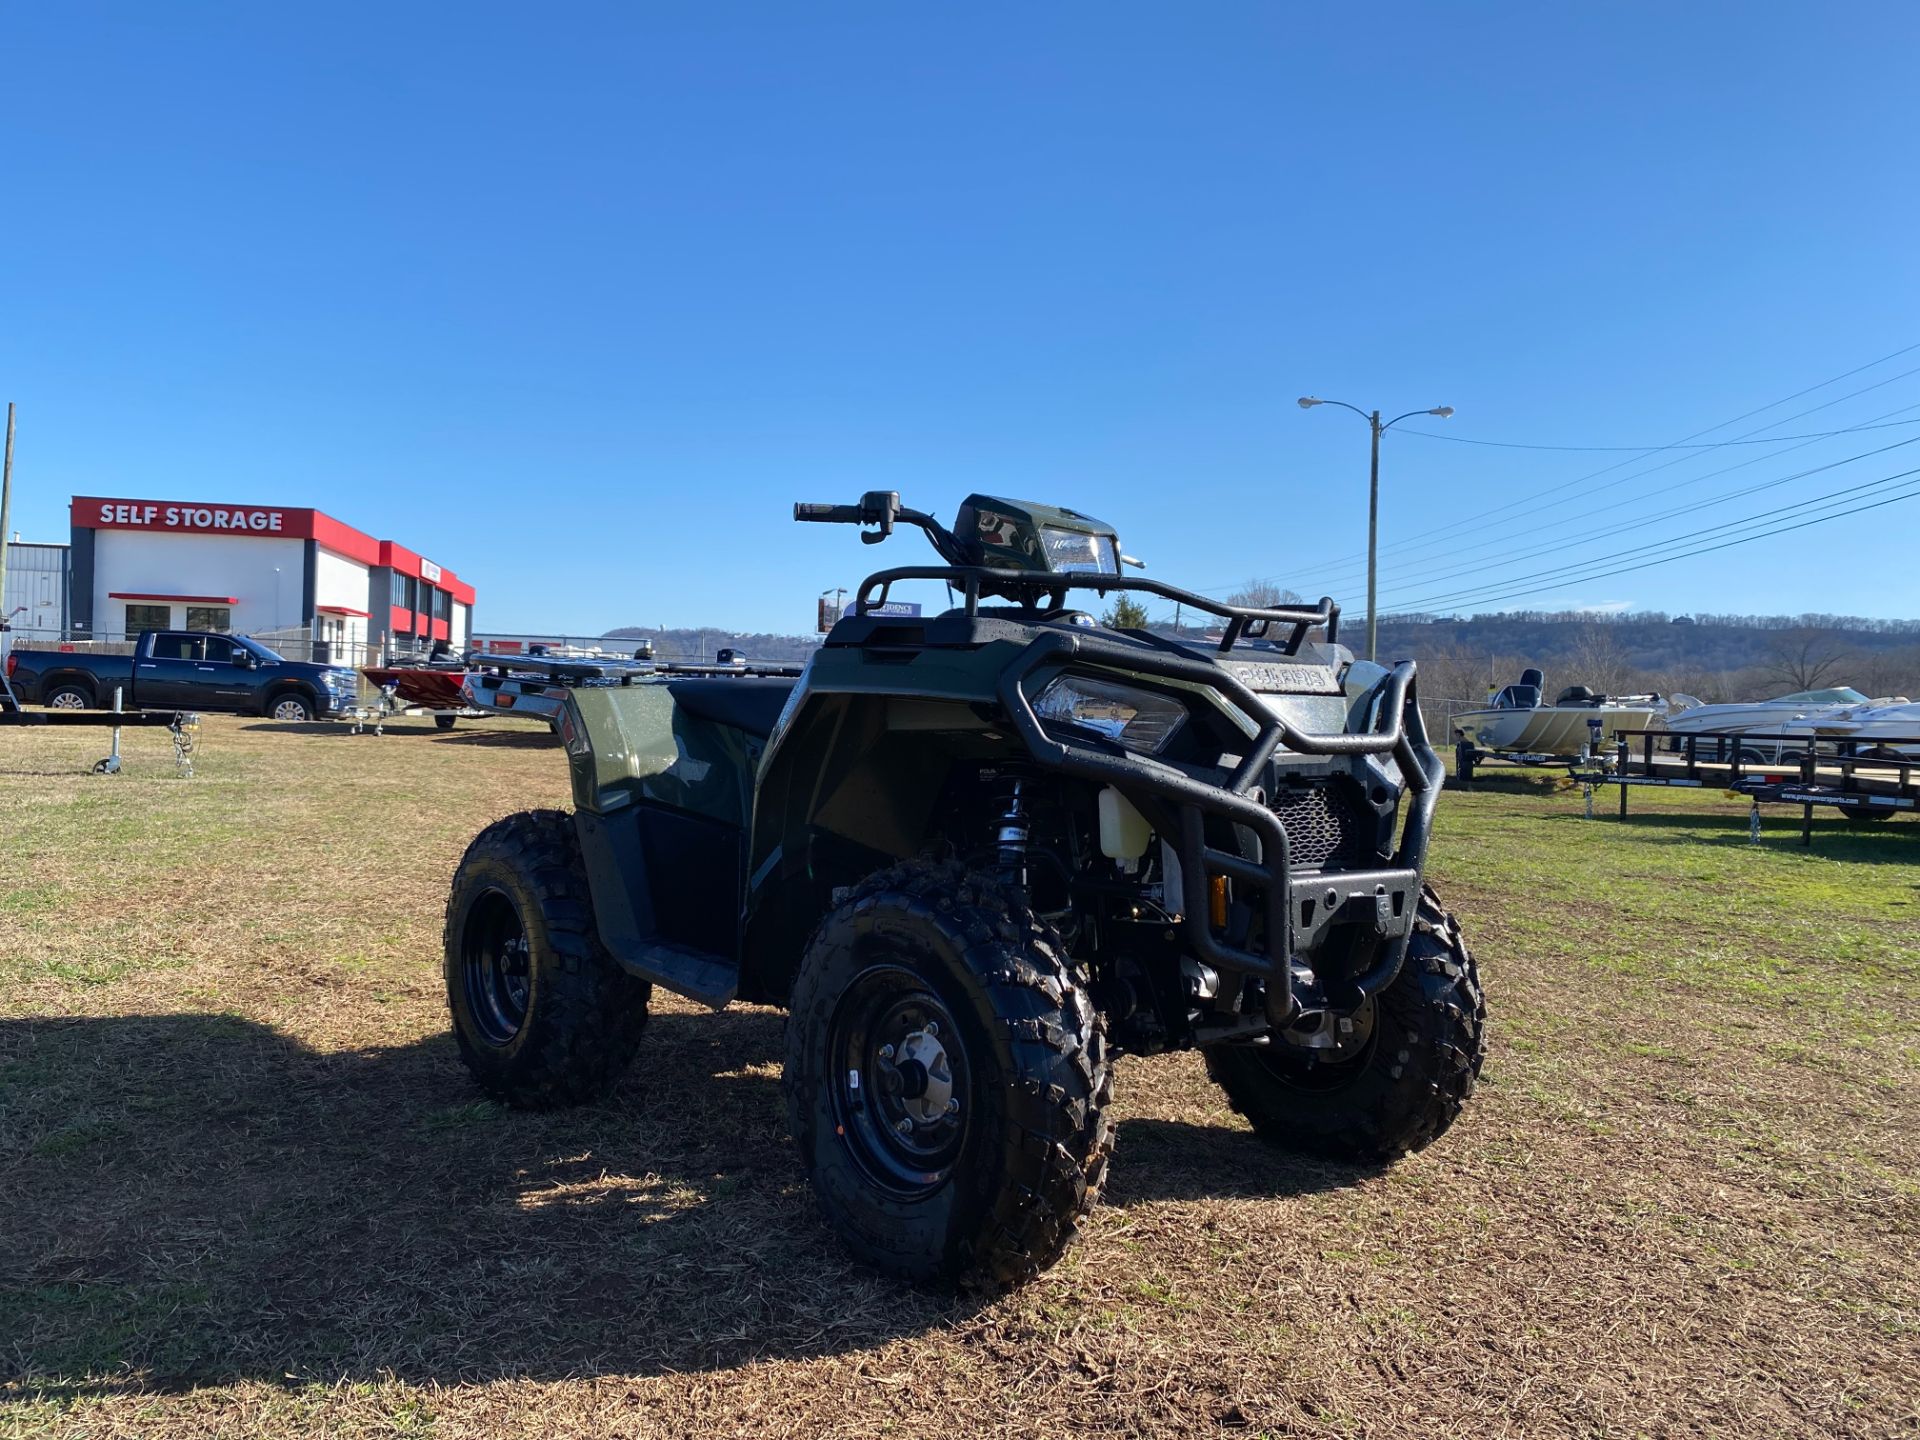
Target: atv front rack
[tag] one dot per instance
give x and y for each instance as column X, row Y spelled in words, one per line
column 1295, row 906
column 1244, row 622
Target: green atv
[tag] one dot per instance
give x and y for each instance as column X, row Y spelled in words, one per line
column 977, row 856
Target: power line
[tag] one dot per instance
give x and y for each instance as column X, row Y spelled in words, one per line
column 1564, row 575
column 1651, row 449
column 1643, row 522
column 1580, row 480
column 1641, row 474
column 1705, row 549
column 1570, row 570
column 1498, row 542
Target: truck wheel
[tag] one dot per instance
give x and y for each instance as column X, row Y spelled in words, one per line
column 292, row 707
column 1410, row 1065
column 544, row 1016
column 68, row 696
column 947, row 1078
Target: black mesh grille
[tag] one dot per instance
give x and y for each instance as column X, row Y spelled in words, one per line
column 1324, row 827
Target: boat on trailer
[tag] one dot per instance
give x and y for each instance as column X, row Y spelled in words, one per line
column 1519, row 724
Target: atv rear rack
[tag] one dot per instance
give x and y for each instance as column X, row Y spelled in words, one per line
column 1294, row 907
column 1244, row 622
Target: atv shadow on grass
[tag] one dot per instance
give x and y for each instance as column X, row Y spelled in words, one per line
column 1179, row 1160
column 197, row 1199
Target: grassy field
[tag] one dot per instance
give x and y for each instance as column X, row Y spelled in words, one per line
column 246, row 1189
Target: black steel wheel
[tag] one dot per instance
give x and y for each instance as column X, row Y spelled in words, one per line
column 444, row 722
column 907, row 1127
column 543, row 1015
column 947, row 1079
column 493, row 967
column 1392, row 1079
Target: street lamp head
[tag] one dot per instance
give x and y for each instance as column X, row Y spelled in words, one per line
column 1445, row 412
column 1307, row 402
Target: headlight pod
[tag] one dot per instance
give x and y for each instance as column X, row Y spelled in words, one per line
column 1139, row 720
column 1076, row 552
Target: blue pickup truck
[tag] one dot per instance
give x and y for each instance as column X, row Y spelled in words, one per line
column 184, row 670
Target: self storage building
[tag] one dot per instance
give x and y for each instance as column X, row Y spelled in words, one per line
column 184, row 565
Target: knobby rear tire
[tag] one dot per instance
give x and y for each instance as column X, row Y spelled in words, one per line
column 583, row 1014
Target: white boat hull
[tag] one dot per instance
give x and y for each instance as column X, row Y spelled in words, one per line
column 1548, row 729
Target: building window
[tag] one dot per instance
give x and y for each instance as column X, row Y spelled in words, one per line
column 148, row 617
column 442, row 605
column 404, row 588
column 209, row 617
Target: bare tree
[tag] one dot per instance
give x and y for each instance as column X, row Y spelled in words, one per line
column 1889, row 672
column 1600, row 662
column 1262, row 595
column 1805, row 659
column 1712, row 686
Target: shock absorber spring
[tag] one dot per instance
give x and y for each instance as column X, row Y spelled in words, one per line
column 1015, row 830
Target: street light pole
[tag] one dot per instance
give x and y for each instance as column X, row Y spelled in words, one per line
column 1307, row 402
column 1373, row 538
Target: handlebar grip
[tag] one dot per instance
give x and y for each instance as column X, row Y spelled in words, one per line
column 827, row 514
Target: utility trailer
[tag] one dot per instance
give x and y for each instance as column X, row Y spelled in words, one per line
column 1864, row 780
column 184, row 726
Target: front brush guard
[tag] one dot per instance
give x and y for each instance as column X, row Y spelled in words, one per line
column 1388, row 898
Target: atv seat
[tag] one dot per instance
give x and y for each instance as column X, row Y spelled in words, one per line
column 751, row 703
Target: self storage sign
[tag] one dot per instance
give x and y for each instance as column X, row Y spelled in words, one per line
column 158, row 515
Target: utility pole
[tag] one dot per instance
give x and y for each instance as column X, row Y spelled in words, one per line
column 6, row 515
column 1307, row 402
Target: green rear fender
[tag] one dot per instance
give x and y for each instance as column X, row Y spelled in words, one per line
column 632, row 743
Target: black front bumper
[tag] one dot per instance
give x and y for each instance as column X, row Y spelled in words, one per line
column 1299, row 906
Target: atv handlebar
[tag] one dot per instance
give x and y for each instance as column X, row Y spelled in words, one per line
column 881, row 509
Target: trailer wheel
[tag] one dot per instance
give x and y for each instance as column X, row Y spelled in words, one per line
column 1415, row 1056
column 543, row 1015
column 69, row 695
column 443, row 722
column 1866, row 814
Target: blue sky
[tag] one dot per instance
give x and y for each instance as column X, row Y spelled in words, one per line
column 577, row 299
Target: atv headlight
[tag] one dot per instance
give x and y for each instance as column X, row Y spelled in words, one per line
column 1138, row 719
column 1074, row 551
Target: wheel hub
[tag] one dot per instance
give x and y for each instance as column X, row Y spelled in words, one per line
column 1331, row 1034
column 919, row 1075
